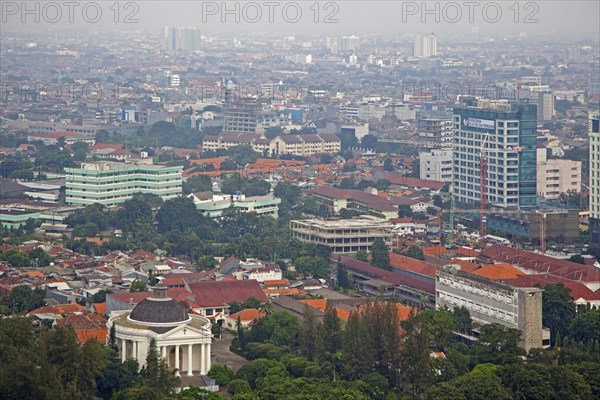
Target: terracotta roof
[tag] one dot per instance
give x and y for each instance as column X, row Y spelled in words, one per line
column 60, row 309
column 276, row 282
column 319, row 304
column 250, row 314
column 86, row 327
column 465, row 265
column 498, row 271
column 100, row 308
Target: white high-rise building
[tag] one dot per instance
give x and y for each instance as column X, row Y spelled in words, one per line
column 594, row 132
column 545, row 106
column 436, row 165
column 425, row 46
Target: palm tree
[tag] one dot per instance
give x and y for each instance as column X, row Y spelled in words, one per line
column 266, row 307
column 334, row 359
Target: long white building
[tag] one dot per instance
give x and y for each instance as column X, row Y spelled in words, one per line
column 493, row 302
column 594, row 132
column 111, row 183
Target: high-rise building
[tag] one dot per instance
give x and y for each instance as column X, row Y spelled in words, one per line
column 506, row 135
column 241, row 117
column 436, row 165
column 110, row 183
column 556, row 176
column 349, row 43
column 545, row 106
column 425, row 46
column 182, row 39
column 594, row 131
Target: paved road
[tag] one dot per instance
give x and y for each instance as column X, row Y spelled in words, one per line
column 222, row 355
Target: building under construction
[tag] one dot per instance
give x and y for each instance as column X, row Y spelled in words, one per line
column 561, row 226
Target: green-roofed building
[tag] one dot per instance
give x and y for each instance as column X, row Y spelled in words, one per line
column 110, row 183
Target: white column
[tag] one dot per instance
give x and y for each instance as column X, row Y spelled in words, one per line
column 189, row 359
column 177, row 358
column 202, row 359
column 163, row 352
column 207, row 357
column 135, row 350
column 123, row 350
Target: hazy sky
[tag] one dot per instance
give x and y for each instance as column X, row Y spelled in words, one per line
column 301, row 17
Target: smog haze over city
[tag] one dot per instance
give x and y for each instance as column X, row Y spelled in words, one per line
column 290, row 200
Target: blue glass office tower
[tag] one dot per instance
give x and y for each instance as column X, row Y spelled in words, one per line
column 507, row 133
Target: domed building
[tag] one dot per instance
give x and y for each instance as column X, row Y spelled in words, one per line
column 182, row 339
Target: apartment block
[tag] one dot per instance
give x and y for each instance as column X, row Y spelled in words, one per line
column 556, row 176
column 111, row 183
column 489, row 301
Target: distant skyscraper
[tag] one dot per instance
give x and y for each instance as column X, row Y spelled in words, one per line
column 349, row 43
column 594, row 132
column 507, row 132
column 182, row 39
column 545, row 106
column 425, row 46
column 241, row 117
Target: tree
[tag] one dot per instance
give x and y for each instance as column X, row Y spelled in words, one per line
column 379, row 254
column 369, row 141
column 498, row 344
column 577, row 258
column 158, row 381
column 342, row 276
column 197, row 183
column 463, row 319
column 23, row 299
column 558, row 309
column 416, row 366
column 332, row 330
column 138, row 286
column 179, row 214
column 437, row 201
column 309, row 337
column 586, row 326
column 221, row 373
column 243, row 154
column 388, row 165
column 100, row 296
column 362, row 255
column 357, row 348
column 416, row 252
column 527, row 382
column 404, row 211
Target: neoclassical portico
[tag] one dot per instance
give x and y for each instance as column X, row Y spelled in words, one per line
column 183, row 340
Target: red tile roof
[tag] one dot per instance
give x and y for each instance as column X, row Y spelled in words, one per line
column 385, row 275
column 372, row 201
column 215, row 293
column 413, row 265
column 543, row 264
column 578, row 290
